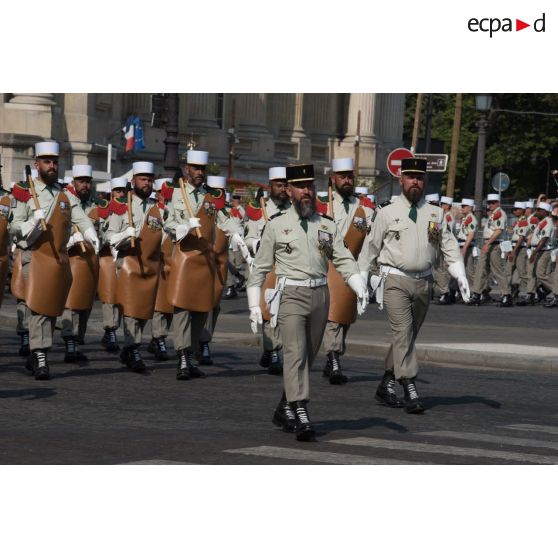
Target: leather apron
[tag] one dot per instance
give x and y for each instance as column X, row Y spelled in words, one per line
column 4, row 243
column 342, row 299
column 161, row 302
column 50, row 277
column 85, row 273
column 136, row 283
column 106, row 286
column 17, row 285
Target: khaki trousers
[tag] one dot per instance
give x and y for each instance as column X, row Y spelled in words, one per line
column 517, row 271
column 23, row 313
column 491, row 262
column 211, row 321
column 235, row 258
column 187, row 328
column 406, row 303
column 111, row 316
column 271, row 337
column 441, row 276
column 160, row 324
column 133, row 329
column 555, row 281
column 74, row 323
column 41, row 329
column 539, row 272
column 302, row 318
column 469, row 263
column 334, row 337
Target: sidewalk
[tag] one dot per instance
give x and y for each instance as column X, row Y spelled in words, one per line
column 518, row 339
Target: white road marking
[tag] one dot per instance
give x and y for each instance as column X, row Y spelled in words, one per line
column 492, row 439
column 156, row 462
column 447, row 450
column 533, row 428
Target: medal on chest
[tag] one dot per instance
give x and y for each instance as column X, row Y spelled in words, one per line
column 209, row 208
column 325, row 244
column 434, row 232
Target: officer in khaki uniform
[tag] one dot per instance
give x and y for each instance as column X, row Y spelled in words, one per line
column 300, row 242
column 490, row 259
column 120, row 234
column 516, row 263
column 278, row 201
column 407, row 238
column 188, row 325
column 38, row 246
column 466, row 237
column 345, row 205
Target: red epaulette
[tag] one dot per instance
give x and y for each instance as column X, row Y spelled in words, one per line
column 167, row 191
column 103, row 210
column 218, row 198
column 366, row 202
column 161, row 205
column 542, row 225
column 71, row 189
column 118, row 206
column 534, row 220
column 468, row 220
column 253, row 212
column 497, row 215
column 523, row 223
column 321, row 206
column 449, row 218
column 21, row 192
column 236, row 213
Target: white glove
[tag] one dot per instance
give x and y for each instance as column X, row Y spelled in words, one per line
column 254, row 295
column 364, row 275
column 375, row 280
column 239, row 242
column 38, row 214
column 357, row 284
column 119, row 240
column 91, row 237
column 250, row 262
column 183, row 229
column 130, row 232
column 75, row 238
column 457, row 271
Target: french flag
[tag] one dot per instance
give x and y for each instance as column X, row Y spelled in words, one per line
column 133, row 134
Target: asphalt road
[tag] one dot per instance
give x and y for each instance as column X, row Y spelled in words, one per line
column 103, row 414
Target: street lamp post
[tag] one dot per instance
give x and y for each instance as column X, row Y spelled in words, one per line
column 171, row 141
column 483, row 103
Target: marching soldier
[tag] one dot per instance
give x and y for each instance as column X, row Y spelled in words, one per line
column 43, row 217
column 300, row 243
column 350, row 218
column 135, row 233
column 84, row 263
column 236, row 258
column 258, row 218
column 407, row 236
column 466, row 237
column 200, row 226
column 440, row 270
column 539, row 261
column 106, row 287
column 490, row 259
column 517, row 258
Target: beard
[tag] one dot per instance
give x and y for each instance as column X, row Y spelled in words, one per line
column 305, row 207
column 414, row 195
column 142, row 194
column 346, row 190
column 281, row 199
column 48, row 177
column 83, row 195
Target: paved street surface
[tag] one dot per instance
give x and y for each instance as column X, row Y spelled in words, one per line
column 103, row 414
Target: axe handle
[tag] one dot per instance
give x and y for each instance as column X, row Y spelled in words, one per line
column 35, row 199
column 130, row 218
column 330, row 198
column 187, row 203
column 264, row 209
column 75, row 229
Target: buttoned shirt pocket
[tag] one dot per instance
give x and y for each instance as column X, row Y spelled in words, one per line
column 287, row 241
column 396, row 231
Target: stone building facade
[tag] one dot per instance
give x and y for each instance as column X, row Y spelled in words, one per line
column 271, row 129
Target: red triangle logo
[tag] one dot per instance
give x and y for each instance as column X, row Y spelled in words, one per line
column 519, row 25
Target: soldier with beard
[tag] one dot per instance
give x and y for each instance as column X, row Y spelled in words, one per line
column 278, row 201
column 84, row 263
column 300, row 243
column 45, row 264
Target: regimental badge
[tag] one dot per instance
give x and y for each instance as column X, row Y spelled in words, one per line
column 209, row 208
column 154, row 223
column 434, row 232
column 63, row 206
column 360, row 224
column 4, row 211
column 325, row 244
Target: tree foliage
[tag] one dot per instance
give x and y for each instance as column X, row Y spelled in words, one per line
column 523, row 145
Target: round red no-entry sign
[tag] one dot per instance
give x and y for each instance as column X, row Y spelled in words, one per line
column 394, row 160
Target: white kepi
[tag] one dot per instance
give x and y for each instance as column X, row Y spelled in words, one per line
column 446, row 199
column 344, row 164
column 197, row 157
column 47, row 149
column 217, row 182
column 82, row 171
column 278, row 173
column 143, row 167
column 118, row 182
column 493, row 197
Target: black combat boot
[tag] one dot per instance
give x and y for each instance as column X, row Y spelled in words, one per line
column 552, row 303
column 475, row 300
column 541, row 293
column 265, row 359
column 332, row 369
column 275, row 365
column 445, row 299
column 485, row 298
column 37, row 363
column 72, row 353
column 230, row 293
column 412, row 401
column 241, row 284
column 529, row 300
column 24, row 344
column 204, row 358
column 182, row 370
column 158, row 347
column 130, row 356
column 304, row 429
column 109, row 340
column 195, row 372
column 284, row 416
column 385, row 394
column 506, row 301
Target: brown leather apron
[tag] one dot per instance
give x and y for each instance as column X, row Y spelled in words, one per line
column 4, row 243
column 136, row 284
column 106, row 286
column 221, row 250
column 85, row 273
column 161, row 302
column 342, row 299
column 50, row 277
column 194, row 267
column 17, row 285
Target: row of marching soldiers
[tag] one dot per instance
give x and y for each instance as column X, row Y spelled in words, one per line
column 162, row 259
column 517, row 251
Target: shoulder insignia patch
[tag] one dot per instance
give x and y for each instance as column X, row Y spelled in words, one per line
column 277, row 215
column 118, row 206
column 253, row 212
column 497, row 215
column 21, row 192
column 384, row 204
column 366, row 202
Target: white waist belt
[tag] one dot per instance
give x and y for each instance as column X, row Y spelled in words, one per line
column 306, row 282
column 413, row 275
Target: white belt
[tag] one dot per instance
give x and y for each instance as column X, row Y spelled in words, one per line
column 413, row 275
column 306, row 282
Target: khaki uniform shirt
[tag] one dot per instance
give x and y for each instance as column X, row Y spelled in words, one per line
column 520, row 229
column 255, row 228
column 119, row 223
column 22, row 226
column 496, row 221
column 178, row 212
column 468, row 225
column 545, row 229
column 410, row 246
column 299, row 254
